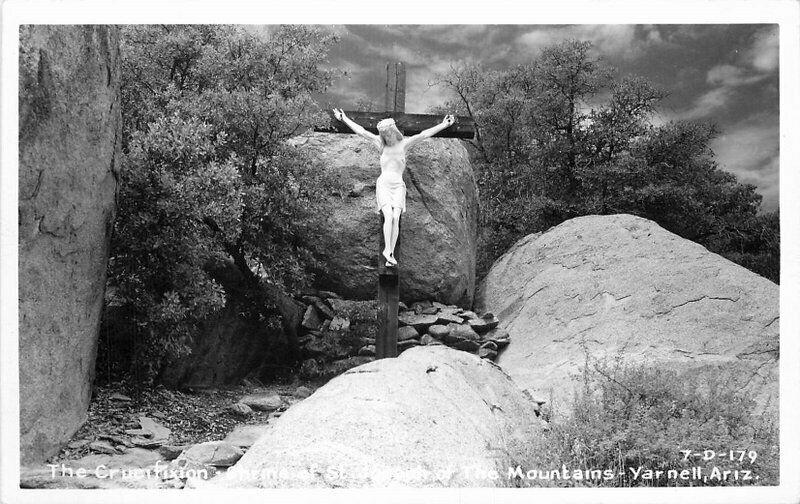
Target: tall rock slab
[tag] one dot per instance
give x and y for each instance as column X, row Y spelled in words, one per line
column 618, row 284
column 69, row 120
column 433, row 417
column 438, row 232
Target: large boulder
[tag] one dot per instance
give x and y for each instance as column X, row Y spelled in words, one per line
column 619, row 284
column 69, row 130
column 433, row 417
column 437, row 245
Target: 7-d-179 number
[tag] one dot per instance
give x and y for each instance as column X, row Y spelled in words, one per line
column 733, row 455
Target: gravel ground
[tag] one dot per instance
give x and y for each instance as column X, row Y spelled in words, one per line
column 193, row 416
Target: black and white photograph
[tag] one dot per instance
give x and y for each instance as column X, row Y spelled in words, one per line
column 509, row 256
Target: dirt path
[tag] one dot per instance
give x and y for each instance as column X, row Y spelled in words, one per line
column 194, row 416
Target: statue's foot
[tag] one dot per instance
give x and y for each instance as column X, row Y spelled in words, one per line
column 389, row 258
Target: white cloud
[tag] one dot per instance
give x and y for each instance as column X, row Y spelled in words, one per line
column 707, row 103
column 756, row 65
column 611, row 39
column 421, row 92
column 663, row 116
column 349, row 96
column 750, row 150
column 339, row 30
column 397, row 52
column 539, row 38
column 353, row 69
column 448, row 34
column 654, row 35
column 616, row 40
column 421, row 96
column 729, row 75
column 763, row 55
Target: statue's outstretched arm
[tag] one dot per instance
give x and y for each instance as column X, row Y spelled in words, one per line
column 428, row 133
column 357, row 128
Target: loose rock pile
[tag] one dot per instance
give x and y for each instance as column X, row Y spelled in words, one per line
column 432, row 323
column 339, row 334
column 150, row 458
column 334, row 333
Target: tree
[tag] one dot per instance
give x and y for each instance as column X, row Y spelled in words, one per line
column 561, row 137
column 207, row 177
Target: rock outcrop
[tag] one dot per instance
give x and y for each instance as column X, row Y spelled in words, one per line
column 433, row 417
column 437, row 244
column 69, row 115
column 337, row 334
column 603, row 285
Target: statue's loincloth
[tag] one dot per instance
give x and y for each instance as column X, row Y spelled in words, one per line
column 390, row 190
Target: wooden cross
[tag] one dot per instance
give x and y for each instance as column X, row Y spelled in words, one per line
column 394, row 105
column 408, row 124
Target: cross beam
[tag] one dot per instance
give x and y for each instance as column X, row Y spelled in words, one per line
column 408, row 124
column 395, row 107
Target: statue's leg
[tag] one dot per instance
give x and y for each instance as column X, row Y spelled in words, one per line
column 395, row 230
column 387, row 233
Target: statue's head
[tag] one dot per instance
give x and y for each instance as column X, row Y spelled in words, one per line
column 387, row 129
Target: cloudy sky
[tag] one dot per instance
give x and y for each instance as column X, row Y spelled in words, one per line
column 727, row 74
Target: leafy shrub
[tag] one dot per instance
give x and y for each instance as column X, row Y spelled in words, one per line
column 548, row 148
column 207, row 177
column 637, row 415
column 171, row 181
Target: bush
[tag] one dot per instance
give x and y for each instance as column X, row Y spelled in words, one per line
column 636, row 415
column 206, row 177
column 563, row 136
